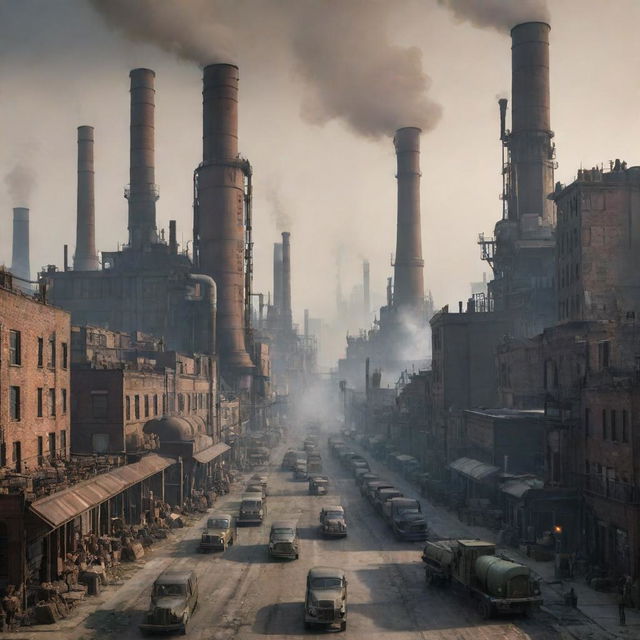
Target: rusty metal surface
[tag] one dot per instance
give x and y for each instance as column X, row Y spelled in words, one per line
column 473, row 469
column 61, row 507
column 208, row 454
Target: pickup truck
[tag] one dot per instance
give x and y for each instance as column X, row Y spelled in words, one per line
column 405, row 517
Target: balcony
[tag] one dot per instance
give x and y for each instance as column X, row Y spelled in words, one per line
column 612, row 489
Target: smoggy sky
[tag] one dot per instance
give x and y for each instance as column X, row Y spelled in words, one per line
column 319, row 87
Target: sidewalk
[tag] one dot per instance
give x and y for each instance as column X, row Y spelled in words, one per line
column 596, row 617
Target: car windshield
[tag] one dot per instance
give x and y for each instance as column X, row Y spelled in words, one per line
column 333, row 514
column 250, row 504
column 162, row 590
column 282, row 531
column 218, row 523
column 326, row 583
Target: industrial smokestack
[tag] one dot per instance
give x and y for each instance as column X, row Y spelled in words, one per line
column 530, row 140
column 85, row 258
column 408, row 289
column 173, row 238
column 20, row 265
column 277, row 276
column 220, row 228
column 287, row 317
column 142, row 192
column 502, row 103
column 366, row 288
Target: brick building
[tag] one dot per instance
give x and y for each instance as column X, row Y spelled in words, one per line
column 35, row 367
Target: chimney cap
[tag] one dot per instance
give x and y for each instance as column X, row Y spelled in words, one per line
column 85, row 131
column 529, row 23
column 21, row 213
column 139, row 71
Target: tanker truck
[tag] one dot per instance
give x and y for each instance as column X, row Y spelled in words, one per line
column 498, row 585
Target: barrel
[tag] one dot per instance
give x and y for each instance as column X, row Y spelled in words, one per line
column 502, row 578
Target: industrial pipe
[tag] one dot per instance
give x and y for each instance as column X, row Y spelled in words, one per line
column 287, row 316
column 209, row 341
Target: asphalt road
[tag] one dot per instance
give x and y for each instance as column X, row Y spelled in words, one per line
column 245, row 595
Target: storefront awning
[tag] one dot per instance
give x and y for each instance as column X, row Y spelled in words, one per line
column 473, row 469
column 63, row 506
column 519, row 486
column 208, row 454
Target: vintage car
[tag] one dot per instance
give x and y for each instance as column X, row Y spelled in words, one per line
column 290, row 459
column 283, row 540
column 325, row 602
column 256, row 487
column 332, row 522
column 365, row 476
column 300, row 472
column 219, row 533
column 258, row 478
column 174, row 597
column 252, row 509
column 318, row 485
column 258, row 456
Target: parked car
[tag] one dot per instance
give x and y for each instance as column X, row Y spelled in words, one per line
column 325, row 602
column 283, row 540
column 332, row 522
column 219, row 533
column 365, row 476
column 290, row 459
column 260, row 479
column 318, row 485
column 382, row 495
column 368, row 488
column 174, row 597
column 300, row 472
column 255, row 487
column 252, row 509
column 405, row 517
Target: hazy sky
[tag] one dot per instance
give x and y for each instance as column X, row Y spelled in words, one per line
column 329, row 183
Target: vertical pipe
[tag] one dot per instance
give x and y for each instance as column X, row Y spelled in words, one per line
column 287, row 316
column 306, row 323
column 20, row 262
column 173, row 238
column 142, row 192
column 85, row 258
column 408, row 272
column 277, row 277
column 530, row 138
column 220, row 212
column 65, row 257
column 366, row 288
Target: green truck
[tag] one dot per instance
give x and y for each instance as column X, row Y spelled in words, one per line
column 498, row 585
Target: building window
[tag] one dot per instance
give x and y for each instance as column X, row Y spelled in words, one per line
column 65, row 355
column 146, row 406
column 127, row 407
column 15, row 355
column 52, row 352
column 52, row 402
column 603, row 354
column 40, row 352
column 14, row 403
column 3, row 454
column 180, row 403
column 64, row 401
column 155, row 404
column 614, row 426
column 587, row 418
column 40, row 401
column 40, row 451
column 63, row 442
column 52, row 445
column 625, row 426
column 604, row 424
column 99, row 404
column 16, row 456
column 164, row 403
column 136, row 407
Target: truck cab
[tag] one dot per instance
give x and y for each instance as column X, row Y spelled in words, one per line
column 405, row 518
column 252, row 509
column 325, row 602
column 174, row 597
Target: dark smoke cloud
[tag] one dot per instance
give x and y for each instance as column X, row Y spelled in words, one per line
column 500, row 15
column 339, row 49
column 20, row 182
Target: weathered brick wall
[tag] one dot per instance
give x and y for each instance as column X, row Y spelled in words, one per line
column 34, row 320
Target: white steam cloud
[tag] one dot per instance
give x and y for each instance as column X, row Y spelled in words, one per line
column 501, row 15
column 20, row 182
column 339, row 49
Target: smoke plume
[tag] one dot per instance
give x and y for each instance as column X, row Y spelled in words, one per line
column 278, row 208
column 20, row 182
column 501, row 15
column 340, row 50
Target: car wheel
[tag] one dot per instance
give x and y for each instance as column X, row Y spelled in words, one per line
column 343, row 625
column 297, row 556
column 485, row 609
